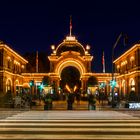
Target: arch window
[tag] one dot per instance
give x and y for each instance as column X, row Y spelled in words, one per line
column 8, row 85
column 123, row 87
column 132, row 84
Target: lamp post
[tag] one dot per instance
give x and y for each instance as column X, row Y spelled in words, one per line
column 114, row 46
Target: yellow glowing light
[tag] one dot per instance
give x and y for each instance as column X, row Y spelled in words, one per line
column 130, row 73
column 52, row 47
column 9, row 58
column 124, row 63
column 70, row 62
column 127, row 52
column 131, row 82
column 13, row 52
column 54, row 52
column 16, row 82
column 75, row 87
column 70, row 38
column 118, row 66
column 132, row 58
column 22, row 67
column 88, row 47
column 86, row 52
column 67, row 87
column 9, row 79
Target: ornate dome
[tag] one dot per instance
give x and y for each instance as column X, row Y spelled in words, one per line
column 70, row 44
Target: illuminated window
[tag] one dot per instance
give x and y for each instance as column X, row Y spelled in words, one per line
column 118, row 68
column 132, row 84
column 8, row 85
column 123, row 87
column 132, row 59
column 8, row 62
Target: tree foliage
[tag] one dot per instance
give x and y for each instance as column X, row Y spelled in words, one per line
column 46, row 80
column 92, row 81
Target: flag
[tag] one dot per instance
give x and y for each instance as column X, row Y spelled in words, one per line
column 103, row 62
column 37, row 61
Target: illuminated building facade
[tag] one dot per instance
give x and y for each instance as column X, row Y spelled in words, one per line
column 69, row 53
column 12, row 65
column 128, row 68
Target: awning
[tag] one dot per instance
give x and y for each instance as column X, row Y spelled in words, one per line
column 26, row 85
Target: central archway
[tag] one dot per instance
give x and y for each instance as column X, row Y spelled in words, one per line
column 70, row 79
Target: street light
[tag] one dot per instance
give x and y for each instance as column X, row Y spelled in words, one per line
column 114, row 46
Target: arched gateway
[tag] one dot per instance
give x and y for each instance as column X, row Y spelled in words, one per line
column 70, row 53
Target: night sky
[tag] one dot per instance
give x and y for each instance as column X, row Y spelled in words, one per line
column 31, row 25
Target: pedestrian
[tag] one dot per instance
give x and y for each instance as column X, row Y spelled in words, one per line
column 70, row 101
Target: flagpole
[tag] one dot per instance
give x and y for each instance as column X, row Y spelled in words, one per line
column 37, row 61
column 103, row 62
column 70, row 25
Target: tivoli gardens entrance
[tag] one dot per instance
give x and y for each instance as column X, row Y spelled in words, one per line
column 70, row 68
column 70, row 80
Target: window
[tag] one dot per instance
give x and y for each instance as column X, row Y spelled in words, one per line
column 132, row 84
column 8, row 85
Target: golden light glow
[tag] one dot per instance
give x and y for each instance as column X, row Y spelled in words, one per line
column 4, row 71
column 16, row 62
column 88, row 47
column 86, row 52
column 69, row 62
column 54, row 51
column 67, row 41
column 75, row 87
column 130, row 73
column 13, row 52
column 26, row 85
column 52, row 47
column 68, row 88
column 22, row 66
column 123, row 83
column 16, row 82
column 70, row 38
column 127, row 52
column 9, row 79
column 132, row 58
column 131, row 82
column 9, row 58
column 118, row 66
column 124, row 63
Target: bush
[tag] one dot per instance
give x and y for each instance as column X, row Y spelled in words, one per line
column 132, row 96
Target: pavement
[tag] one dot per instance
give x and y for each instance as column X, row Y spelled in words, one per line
column 66, row 115
column 69, row 125
column 104, row 123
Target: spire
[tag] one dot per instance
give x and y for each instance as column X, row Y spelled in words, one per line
column 70, row 25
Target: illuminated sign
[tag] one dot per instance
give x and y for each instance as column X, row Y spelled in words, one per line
column 134, row 105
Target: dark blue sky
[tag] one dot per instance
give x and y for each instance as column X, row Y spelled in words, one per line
column 30, row 25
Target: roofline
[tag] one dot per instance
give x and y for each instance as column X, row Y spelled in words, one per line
column 133, row 47
column 65, row 41
column 11, row 50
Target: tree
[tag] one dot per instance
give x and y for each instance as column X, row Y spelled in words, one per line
column 46, row 80
column 132, row 96
column 92, row 81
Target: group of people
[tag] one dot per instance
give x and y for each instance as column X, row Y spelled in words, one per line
column 71, row 97
column 23, row 101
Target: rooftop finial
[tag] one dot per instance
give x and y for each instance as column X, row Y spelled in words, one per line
column 70, row 25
